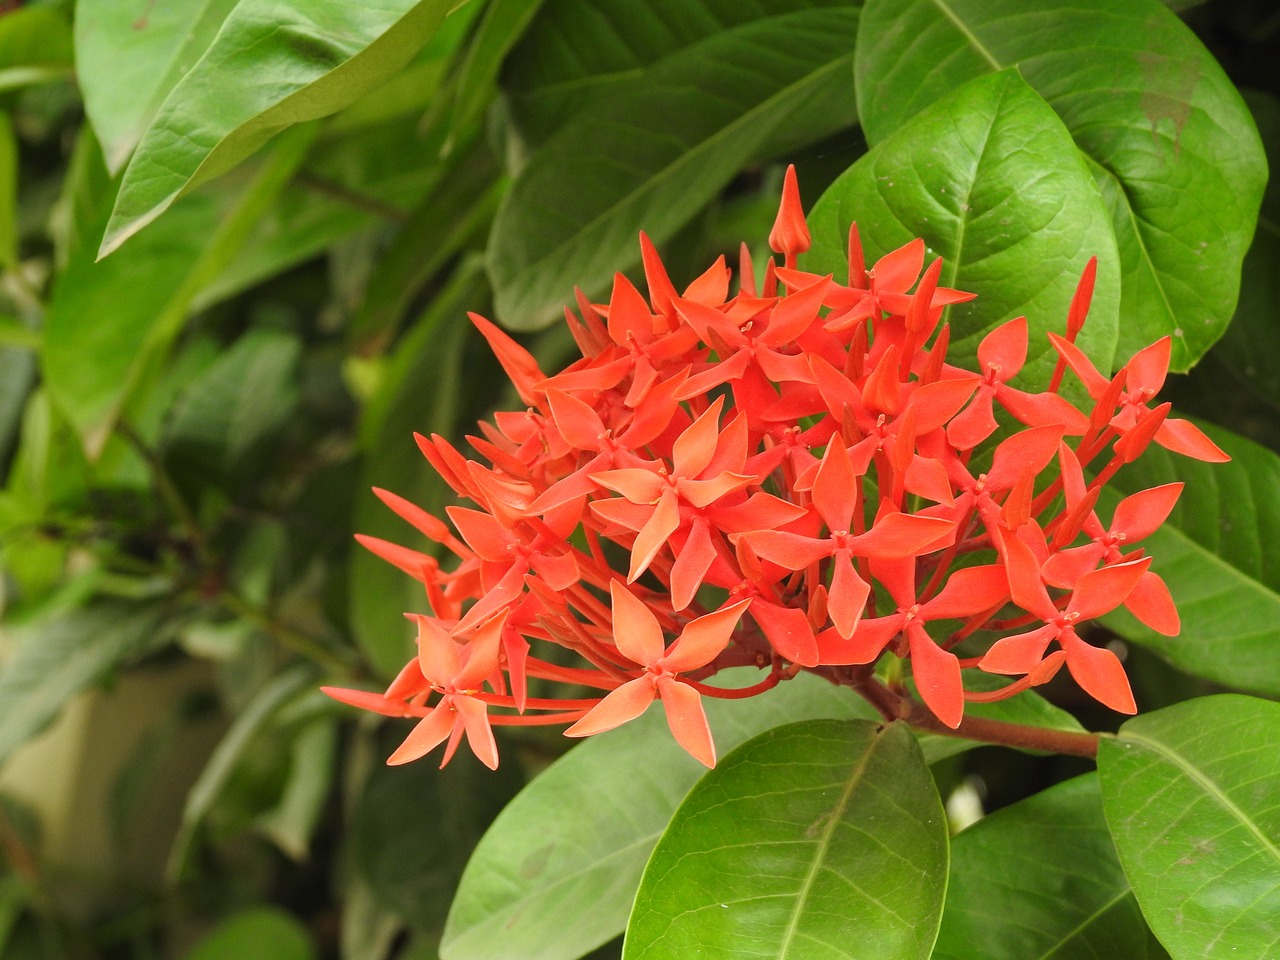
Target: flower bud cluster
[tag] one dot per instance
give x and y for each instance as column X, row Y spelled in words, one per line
column 781, row 476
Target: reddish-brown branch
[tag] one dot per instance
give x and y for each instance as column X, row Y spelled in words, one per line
column 896, row 706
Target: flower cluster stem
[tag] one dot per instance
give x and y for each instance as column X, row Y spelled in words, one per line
column 900, row 706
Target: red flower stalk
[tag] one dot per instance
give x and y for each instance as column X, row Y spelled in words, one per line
column 790, row 473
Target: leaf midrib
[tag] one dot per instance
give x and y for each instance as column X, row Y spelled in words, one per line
column 1209, row 786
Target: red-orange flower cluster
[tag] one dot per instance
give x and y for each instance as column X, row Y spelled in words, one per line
column 786, row 476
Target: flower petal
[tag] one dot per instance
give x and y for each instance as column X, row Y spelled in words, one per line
column 636, row 631
column 687, row 720
column 625, row 703
column 703, row 639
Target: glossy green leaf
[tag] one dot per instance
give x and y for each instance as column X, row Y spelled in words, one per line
column 1014, row 895
column 1163, row 130
column 52, row 662
column 256, row 933
column 1192, row 797
column 577, row 50
column 130, row 55
column 650, row 154
column 124, row 312
column 556, row 874
column 1218, row 552
column 270, row 66
column 989, row 178
column 822, row 840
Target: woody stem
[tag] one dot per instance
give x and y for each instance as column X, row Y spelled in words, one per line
column 899, row 706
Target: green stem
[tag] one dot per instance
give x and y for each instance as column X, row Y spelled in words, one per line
column 289, row 638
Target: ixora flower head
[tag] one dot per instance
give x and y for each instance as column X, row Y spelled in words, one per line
column 781, row 476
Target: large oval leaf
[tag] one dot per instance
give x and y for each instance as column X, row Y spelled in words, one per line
column 270, row 66
column 821, row 840
column 989, row 177
column 576, row 50
column 1165, row 133
column 1192, row 797
column 555, row 875
column 1014, row 896
column 129, row 56
column 652, row 153
column 1219, row 553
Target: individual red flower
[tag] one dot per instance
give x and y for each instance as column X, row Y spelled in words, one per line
column 638, row 635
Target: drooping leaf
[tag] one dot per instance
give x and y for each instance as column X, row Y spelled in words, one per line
column 54, row 659
column 454, row 216
column 650, row 154
column 1218, row 552
column 823, row 839
column 575, row 50
column 125, row 311
column 501, row 27
column 556, row 874
column 1163, row 130
column 130, row 55
column 269, row 68
column 265, row 703
column 414, row 828
column 234, row 407
column 1012, row 895
column 988, row 176
column 431, row 353
column 1192, row 797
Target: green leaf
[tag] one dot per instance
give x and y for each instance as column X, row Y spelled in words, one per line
column 8, row 194
column 1192, row 797
column 266, row 703
column 1163, row 130
column 1014, row 894
column 556, row 874
column 577, row 50
column 820, row 839
column 649, row 155
column 292, row 822
column 1218, row 552
column 35, row 37
column 1236, row 356
column 504, row 21
column 431, row 352
column 256, row 933
column 411, row 862
column 226, row 415
column 54, row 659
column 453, row 216
column 989, row 178
column 269, row 67
column 129, row 56
column 124, row 312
